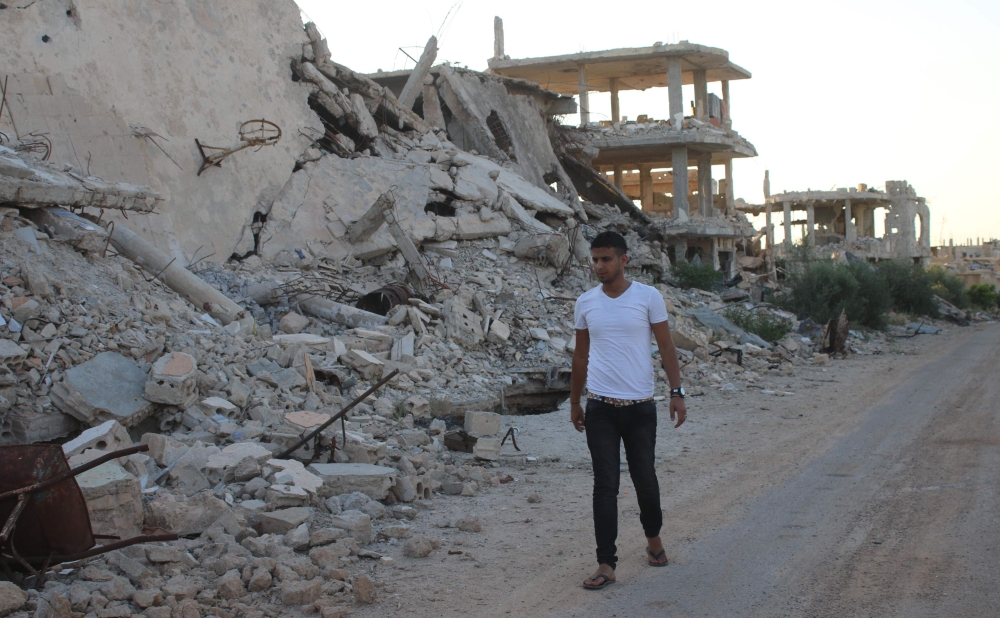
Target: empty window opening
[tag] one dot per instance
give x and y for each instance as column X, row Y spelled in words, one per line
column 500, row 135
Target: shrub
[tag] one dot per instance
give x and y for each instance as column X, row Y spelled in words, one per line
column 822, row 290
column 948, row 287
column 910, row 287
column 701, row 276
column 984, row 296
column 768, row 327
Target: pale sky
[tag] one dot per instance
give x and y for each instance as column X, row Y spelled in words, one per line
column 842, row 93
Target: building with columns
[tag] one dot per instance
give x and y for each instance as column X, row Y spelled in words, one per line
column 665, row 163
column 845, row 218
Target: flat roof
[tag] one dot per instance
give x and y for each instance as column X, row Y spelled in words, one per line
column 637, row 68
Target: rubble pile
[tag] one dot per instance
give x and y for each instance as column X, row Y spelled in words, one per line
column 391, row 252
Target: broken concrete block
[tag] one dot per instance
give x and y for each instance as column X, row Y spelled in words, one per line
column 11, row 353
column 417, row 406
column 163, row 449
column 292, row 472
column 403, row 490
column 172, row 380
column 109, row 436
column 356, row 523
column 371, row 480
column 462, row 325
column 107, row 387
column 221, row 466
column 499, row 332
column 487, row 449
column 302, row 592
column 188, row 479
column 114, row 500
column 192, row 516
column 283, row 521
column 308, row 339
column 550, row 248
column 23, row 309
column 366, row 364
column 281, row 496
column 539, row 333
column 482, row 424
column 293, row 323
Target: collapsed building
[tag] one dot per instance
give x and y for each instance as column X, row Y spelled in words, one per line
column 973, row 262
column 843, row 220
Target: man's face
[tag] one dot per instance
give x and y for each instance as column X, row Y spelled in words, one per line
column 608, row 265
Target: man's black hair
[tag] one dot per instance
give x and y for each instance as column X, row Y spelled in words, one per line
column 613, row 240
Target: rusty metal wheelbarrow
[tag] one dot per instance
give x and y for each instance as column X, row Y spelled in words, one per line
column 45, row 516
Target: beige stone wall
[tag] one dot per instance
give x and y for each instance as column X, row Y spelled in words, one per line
column 91, row 75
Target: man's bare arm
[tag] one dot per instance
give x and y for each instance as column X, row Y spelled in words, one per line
column 668, row 356
column 581, row 358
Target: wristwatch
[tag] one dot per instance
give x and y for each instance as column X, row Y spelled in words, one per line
column 678, row 392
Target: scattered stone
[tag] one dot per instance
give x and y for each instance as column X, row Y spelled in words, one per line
column 284, row 520
column 293, row 323
column 301, row 592
column 192, row 516
column 469, row 523
column 418, row 547
column 356, row 523
column 230, row 585
column 481, row 424
column 12, row 598
column 364, row 589
column 114, row 500
column 534, row 498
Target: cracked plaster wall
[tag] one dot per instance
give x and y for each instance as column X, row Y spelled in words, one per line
column 85, row 73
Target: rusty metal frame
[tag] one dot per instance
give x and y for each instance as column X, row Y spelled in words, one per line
column 46, row 488
column 266, row 134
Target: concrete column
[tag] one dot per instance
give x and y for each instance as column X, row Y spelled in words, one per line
column 646, row 186
column 730, row 195
column 581, row 74
column 674, row 92
column 498, row 38
column 861, row 228
column 787, row 208
column 615, row 117
column 714, row 249
column 705, row 184
column 769, row 229
column 725, row 99
column 701, row 95
column 850, row 234
column 681, row 249
column 680, row 172
column 618, row 177
column 811, row 224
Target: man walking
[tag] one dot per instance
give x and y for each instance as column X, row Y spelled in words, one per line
column 613, row 358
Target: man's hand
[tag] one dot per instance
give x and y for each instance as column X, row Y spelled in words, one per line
column 678, row 410
column 576, row 415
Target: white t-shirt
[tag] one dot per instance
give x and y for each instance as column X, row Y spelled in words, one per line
column 621, row 352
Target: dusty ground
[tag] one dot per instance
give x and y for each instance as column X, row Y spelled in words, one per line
column 530, row 558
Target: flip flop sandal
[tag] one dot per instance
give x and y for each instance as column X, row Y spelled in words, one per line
column 657, row 556
column 604, row 584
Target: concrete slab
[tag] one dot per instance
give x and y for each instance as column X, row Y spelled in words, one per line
column 371, row 480
column 107, row 387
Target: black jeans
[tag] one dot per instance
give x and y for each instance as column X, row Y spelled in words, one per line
column 607, row 427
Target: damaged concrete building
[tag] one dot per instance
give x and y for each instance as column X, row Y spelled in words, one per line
column 665, row 164
column 844, row 220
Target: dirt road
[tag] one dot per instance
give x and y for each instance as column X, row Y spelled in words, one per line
column 870, row 490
